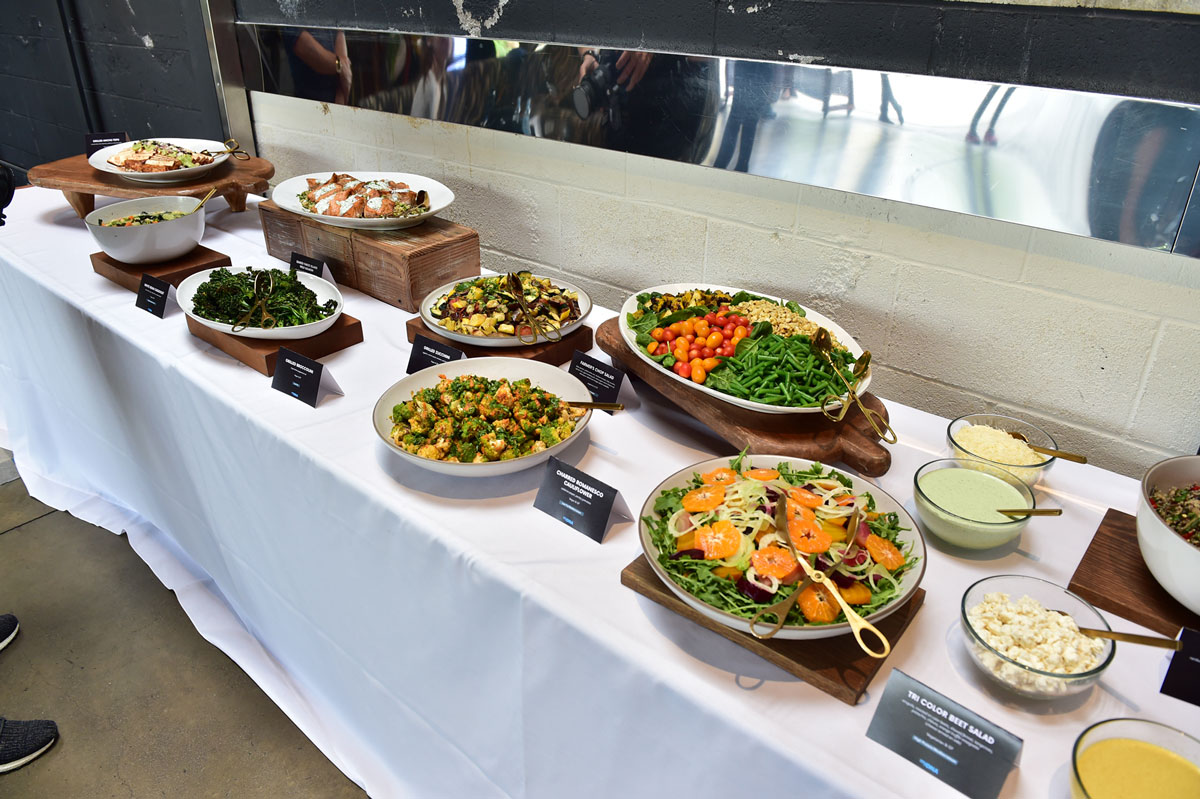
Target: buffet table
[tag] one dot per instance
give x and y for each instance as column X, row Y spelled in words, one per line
column 440, row 637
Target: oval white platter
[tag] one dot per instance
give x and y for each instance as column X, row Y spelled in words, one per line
column 884, row 503
column 585, row 307
column 320, row 286
column 286, row 194
column 557, row 381
column 99, row 160
column 630, row 338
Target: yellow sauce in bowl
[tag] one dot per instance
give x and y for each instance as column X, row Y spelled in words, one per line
column 1124, row 768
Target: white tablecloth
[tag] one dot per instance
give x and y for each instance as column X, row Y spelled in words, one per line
column 439, row 637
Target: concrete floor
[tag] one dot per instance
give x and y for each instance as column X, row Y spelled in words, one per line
column 145, row 707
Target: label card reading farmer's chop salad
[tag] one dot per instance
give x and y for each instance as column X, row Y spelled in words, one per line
column 960, row 748
column 603, row 380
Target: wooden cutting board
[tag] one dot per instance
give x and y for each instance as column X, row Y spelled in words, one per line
column 836, row 666
column 129, row 276
column 1114, row 577
column 80, row 182
column 812, row 436
column 260, row 354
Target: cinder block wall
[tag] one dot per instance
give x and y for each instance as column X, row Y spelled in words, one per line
column 1097, row 341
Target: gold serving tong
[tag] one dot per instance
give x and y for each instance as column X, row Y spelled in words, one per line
column 824, row 345
column 268, row 321
column 233, row 148
column 535, row 326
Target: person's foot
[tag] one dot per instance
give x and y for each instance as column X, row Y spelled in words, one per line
column 899, row 115
column 884, row 119
column 989, row 138
column 22, row 741
column 972, row 137
column 8, row 629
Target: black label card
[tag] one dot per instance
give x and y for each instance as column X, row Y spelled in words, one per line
column 579, row 500
column 98, row 141
column 153, row 294
column 303, row 378
column 1183, row 675
column 960, row 748
column 314, row 266
column 426, row 352
column 603, row 380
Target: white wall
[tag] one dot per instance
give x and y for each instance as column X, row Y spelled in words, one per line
column 1097, row 341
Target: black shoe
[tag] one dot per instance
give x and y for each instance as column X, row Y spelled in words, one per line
column 8, row 629
column 22, row 741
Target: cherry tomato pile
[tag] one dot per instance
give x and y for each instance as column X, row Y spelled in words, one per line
column 697, row 345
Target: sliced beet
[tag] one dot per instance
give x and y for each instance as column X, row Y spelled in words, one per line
column 843, row 580
column 860, row 535
column 694, row 554
column 753, row 591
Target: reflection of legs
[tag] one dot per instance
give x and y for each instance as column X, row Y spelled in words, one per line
column 729, row 138
column 887, row 99
column 989, row 137
column 749, row 128
column 972, row 136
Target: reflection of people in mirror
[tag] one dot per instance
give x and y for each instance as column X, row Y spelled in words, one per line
column 888, row 99
column 753, row 86
column 429, row 94
column 320, row 65
column 989, row 137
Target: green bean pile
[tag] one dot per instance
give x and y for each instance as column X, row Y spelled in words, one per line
column 777, row 370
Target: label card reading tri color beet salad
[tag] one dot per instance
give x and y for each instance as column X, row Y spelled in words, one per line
column 959, row 747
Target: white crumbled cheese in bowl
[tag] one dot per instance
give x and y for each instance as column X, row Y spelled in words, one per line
column 1026, row 632
column 996, row 445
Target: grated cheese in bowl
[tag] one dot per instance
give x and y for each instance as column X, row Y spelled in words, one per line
column 996, row 445
column 985, row 437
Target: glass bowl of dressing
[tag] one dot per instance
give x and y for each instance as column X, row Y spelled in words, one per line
column 1135, row 759
column 957, row 500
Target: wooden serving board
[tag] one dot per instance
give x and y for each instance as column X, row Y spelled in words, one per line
column 1113, row 577
column 399, row 267
column 129, row 276
column 809, row 435
column 836, row 666
column 80, row 182
column 551, row 352
column 260, row 354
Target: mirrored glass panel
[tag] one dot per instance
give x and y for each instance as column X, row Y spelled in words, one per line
column 1108, row 167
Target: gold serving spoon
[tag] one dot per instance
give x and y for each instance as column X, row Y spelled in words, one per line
column 1057, row 453
column 598, row 406
column 824, row 345
column 1031, row 512
column 232, row 148
column 1130, row 638
column 207, row 197
column 535, row 326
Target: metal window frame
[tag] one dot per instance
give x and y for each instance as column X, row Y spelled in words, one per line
column 233, row 101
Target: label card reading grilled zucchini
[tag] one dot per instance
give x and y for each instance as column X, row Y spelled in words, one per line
column 426, row 352
column 1183, row 674
column 959, row 747
column 154, row 294
column 314, row 266
column 603, row 380
column 579, row 501
column 303, row 378
column 98, row 141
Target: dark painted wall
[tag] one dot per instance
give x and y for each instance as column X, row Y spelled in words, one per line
column 1146, row 54
column 140, row 66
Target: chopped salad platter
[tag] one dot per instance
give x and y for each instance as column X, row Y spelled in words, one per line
column 708, row 532
column 754, row 351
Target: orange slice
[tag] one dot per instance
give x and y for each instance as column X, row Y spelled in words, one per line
column 800, row 512
column 704, row 498
column 817, row 604
column 808, row 537
column 761, row 474
column 719, row 477
column 774, row 562
column 885, row 552
column 805, row 498
column 722, row 540
column 856, row 594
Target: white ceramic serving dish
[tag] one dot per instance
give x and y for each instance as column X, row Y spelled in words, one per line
column 585, row 307
column 148, row 244
column 286, row 194
column 99, row 160
column 321, row 287
column 557, row 381
column 630, row 338
column 884, row 503
column 1174, row 562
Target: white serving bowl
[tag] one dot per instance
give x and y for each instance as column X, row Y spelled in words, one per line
column 558, row 382
column 148, row 244
column 440, row 197
column 322, row 288
column 1173, row 561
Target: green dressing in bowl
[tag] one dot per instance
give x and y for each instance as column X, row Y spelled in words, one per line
column 971, row 494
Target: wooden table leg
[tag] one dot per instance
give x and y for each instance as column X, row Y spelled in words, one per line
column 84, row 204
column 236, row 200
